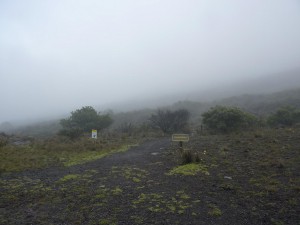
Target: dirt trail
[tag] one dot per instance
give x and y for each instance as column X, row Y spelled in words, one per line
column 132, row 187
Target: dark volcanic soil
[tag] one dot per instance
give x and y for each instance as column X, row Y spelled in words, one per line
column 245, row 185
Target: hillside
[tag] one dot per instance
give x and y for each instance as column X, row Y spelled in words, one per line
column 264, row 104
column 259, row 104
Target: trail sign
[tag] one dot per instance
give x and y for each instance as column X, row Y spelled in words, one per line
column 94, row 134
column 180, row 137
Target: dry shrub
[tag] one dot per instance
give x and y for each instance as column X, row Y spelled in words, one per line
column 197, row 157
column 187, row 156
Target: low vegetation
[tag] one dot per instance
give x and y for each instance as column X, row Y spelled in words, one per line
column 285, row 116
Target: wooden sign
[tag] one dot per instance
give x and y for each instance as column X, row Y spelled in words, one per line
column 180, row 137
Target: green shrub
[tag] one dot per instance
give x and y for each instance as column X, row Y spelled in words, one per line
column 285, row 116
column 84, row 120
column 221, row 119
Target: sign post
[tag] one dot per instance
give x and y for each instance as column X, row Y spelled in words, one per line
column 94, row 134
column 180, row 138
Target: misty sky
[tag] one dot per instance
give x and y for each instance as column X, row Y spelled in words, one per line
column 59, row 55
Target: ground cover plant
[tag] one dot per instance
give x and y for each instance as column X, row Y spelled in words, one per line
column 240, row 178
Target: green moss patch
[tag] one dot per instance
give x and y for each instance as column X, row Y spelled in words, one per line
column 87, row 156
column 158, row 203
column 69, row 177
column 134, row 174
column 214, row 210
column 189, row 169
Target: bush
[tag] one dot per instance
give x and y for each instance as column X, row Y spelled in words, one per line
column 3, row 139
column 126, row 127
column 169, row 121
column 221, row 119
column 285, row 116
column 187, row 157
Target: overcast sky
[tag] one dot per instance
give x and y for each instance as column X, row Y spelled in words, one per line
column 59, row 55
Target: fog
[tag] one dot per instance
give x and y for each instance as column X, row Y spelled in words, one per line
column 56, row 56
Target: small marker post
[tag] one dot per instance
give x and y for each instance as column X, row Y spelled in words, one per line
column 94, row 135
column 180, row 144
